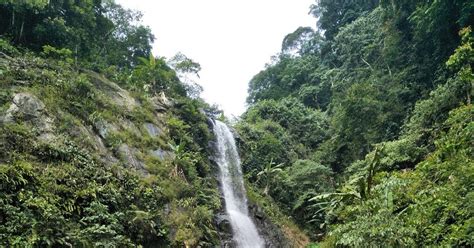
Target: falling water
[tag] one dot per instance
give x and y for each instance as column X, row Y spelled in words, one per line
column 244, row 230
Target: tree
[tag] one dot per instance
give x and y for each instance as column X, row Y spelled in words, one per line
column 334, row 14
column 153, row 76
column 187, row 69
column 383, row 78
column 100, row 33
column 462, row 61
column 20, row 14
column 127, row 40
column 268, row 173
column 303, row 41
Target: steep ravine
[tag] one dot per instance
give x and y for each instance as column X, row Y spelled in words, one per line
column 245, row 233
column 276, row 231
column 53, row 117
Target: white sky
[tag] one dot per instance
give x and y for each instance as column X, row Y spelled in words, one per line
column 232, row 40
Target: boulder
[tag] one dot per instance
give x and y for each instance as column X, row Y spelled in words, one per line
column 224, row 229
column 273, row 235
column 27, row 108
column 223, row 223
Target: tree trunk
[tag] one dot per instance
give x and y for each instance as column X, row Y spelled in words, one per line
column 372, row 167
column 13, row 19
column 470, row 92
column 21, row 30
column 75, row 55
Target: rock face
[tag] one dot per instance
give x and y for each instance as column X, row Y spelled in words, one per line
column 225, row 230
column 28, row 108
column 104, row 128
column 95, row 141
column 273, row 235
column 152, row 129
column 118, row 95
column 161, row 154
column 129, row 155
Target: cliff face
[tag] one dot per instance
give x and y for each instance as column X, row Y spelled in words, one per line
column 86, row 162
column 142, row 121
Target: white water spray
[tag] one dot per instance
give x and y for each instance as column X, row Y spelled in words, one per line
column 244, row 230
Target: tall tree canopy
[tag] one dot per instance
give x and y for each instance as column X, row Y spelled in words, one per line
column 388, row 80
column 96, row 31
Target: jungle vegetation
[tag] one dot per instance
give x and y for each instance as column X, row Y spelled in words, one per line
column 360, row 131
column 369, row 118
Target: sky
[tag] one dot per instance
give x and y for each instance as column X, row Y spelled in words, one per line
column 232, row 40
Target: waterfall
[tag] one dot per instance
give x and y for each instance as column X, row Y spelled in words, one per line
column 245, row 232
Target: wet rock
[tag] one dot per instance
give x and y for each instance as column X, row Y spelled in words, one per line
column 223, row 223
column 152, row 129
column 236, row 135
column 259, row 214
column 273, row 235
column 224, row 229
column 228, row 244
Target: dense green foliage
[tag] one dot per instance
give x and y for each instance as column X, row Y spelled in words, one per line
column 81, row 172
column 99, row 33
column 362, row 131
column 61, row 192
column 371, row 119
column 60, row 196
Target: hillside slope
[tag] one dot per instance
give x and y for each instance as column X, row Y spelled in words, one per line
column 83, row 162
column 362, row 130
